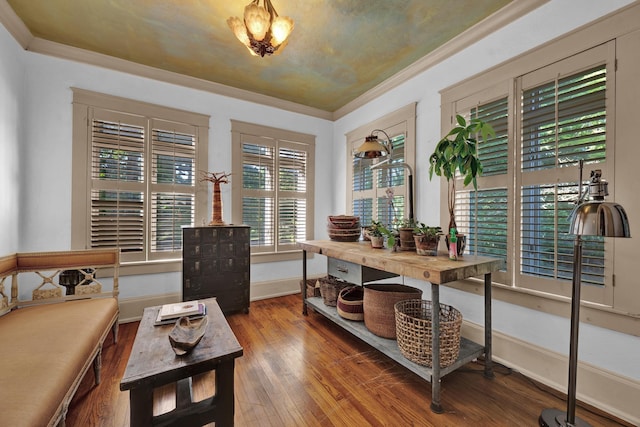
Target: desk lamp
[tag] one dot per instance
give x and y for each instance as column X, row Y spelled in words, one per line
column 373, row 148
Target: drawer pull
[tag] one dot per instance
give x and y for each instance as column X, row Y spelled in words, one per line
column 342, row 269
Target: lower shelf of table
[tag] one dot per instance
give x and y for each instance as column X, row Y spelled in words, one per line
column 469, row 350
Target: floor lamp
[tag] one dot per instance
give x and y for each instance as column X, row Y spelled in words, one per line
column 592, row 218
column 373, row 148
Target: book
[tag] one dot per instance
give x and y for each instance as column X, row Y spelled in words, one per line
column 179, row 309
column 172, row 314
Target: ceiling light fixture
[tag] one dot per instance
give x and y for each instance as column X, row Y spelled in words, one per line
column 263, row 32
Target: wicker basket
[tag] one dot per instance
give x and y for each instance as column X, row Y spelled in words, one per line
column 379, row 299
column 330, row 287
column 413, row 327
column 313, row 287
column 349, row 303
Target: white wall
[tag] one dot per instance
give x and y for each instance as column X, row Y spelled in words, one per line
column 11, row 102
column 551, row 332
column 46, row 176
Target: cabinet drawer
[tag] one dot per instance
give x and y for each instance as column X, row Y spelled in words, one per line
column 355, row 273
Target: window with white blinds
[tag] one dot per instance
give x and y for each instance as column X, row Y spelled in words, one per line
column 482, row 215
column 520, row 212
column 563, row 120
column 143, row 184
column 274, row 195
column 382, row 194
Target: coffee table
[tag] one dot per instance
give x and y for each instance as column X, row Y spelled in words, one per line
column 153, row 363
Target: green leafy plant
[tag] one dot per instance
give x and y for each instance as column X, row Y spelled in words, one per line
column 378, row 230
column 427, row 230
column 457, row 151
column 405, row 223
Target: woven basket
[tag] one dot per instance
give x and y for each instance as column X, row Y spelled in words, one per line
column 313, row 287
column 343, row 228
column 349, row 303
column 379, row 299
column 330, row 287
column 413, row 325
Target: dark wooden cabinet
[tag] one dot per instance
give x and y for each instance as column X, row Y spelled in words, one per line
column 216, row 262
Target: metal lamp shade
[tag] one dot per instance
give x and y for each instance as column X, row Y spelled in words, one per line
column 598, row 218
column 371, row 148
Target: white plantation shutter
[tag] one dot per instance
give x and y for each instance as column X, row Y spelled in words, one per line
column 380, row 194
column 292, row 197
column 276, row 193
column 564, row 120
column 173, row 185
column 482, row 215
column 118, row 183
column 142, row 184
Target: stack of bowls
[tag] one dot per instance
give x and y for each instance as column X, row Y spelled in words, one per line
column 343, row 228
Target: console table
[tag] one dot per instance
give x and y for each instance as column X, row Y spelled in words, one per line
column 437, row 271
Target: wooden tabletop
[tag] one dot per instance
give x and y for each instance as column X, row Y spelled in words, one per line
column 152, row 361
column 435, row 269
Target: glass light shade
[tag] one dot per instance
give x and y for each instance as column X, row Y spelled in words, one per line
column 598, row 218
column 371, row 148
column 239, row 30
column 257, row 20
column 281, row 27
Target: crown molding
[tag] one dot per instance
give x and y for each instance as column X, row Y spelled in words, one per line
column 504, row 16
column 494, row 22
column 58, row 50
column 14, row 25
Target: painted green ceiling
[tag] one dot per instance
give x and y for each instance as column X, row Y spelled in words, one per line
column 339, row 49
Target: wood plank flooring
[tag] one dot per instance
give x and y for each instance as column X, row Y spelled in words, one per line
column 305, row 371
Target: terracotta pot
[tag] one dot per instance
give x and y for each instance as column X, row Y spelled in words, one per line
column 407, row 243
column 426, row 245
column 377, row 242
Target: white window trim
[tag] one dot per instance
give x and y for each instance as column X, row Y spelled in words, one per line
column 83, row 101
column 238, row 129
column 400, row 121
column 623, row 315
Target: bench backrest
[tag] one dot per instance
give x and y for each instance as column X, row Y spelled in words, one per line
column 59, row 273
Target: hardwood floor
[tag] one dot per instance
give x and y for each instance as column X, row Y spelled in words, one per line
column 305, row 371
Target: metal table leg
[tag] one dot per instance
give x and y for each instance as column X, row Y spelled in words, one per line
column 488, row 363
column 435, row 349
column 304, row 282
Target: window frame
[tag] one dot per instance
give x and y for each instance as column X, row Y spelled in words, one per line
column 401, row 121
column 614, row 311
column 276, row 138
column 85, row 102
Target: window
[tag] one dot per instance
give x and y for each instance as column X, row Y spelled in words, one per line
column 141, row 163
column 529, row 182
column 274, row 194
column 382, row 194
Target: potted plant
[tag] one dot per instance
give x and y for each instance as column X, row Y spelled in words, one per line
column 426, row 239
column 457, row 151
column 377, row 234
column 405, row 230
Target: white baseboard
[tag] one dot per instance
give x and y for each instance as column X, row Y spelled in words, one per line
column 131, row 308
column 608, row 391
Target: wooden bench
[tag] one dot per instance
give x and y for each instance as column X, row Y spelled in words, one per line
column 52, row 329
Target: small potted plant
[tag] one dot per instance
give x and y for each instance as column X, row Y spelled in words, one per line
column 405, row 230
column 377, row 234
column 457, row 151
column 426, row 239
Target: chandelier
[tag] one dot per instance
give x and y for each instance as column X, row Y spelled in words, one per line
column 263, row 32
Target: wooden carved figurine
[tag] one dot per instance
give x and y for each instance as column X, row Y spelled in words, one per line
column 216, row 179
